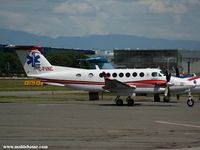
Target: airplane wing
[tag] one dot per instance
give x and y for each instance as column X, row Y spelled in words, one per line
column 54, row 84
column 115, row 85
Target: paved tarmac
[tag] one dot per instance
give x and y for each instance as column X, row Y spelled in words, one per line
column 32, row 93
column 92, row 125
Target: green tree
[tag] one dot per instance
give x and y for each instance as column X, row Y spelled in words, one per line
column 10, row 64
column 65, row 58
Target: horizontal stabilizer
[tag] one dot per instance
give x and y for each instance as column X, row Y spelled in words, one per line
column 23, row 47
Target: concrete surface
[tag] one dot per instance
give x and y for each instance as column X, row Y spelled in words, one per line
column 101, row 125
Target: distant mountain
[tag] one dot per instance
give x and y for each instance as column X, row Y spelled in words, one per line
column 94, row 41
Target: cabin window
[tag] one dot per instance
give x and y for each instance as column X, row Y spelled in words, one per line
column 101, row 75
column 78, row 75
column 90, row 75
column 134, row 74
column 154, row 74
column 128, row 74
column 142, row 74
column 108, row 75
column 121, row 74
column 114, row 75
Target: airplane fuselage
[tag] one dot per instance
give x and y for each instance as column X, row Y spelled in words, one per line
column 145, row 80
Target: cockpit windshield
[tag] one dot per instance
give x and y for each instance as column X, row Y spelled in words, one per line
column 161, row 73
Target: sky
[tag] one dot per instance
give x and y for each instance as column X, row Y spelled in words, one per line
column 166, row 19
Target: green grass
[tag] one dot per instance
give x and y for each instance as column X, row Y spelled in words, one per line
column 57, row 98
column 52, row 97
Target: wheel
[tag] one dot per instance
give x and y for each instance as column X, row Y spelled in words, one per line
column 130, row 102
column 119, row 102
column 166, row 99
column 156, row 98
column 190, row 102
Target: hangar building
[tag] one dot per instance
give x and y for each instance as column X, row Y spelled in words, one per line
column 188, row 61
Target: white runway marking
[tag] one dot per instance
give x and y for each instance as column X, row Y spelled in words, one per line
column 178, row 124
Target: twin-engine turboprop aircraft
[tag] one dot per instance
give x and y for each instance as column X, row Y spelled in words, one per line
column 124, row 82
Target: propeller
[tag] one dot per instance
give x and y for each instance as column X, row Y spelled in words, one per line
column 177, row 72
column 167, row 89
column 177, row 75
column 168, row 76
column 168, row 83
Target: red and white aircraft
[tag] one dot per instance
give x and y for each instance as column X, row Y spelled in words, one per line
column 124, row 82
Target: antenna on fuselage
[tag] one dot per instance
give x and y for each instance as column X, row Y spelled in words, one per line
column 97, row 67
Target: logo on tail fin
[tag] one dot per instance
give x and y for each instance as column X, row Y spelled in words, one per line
column 33, row 59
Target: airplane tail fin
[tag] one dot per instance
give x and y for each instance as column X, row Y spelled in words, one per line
column 33, row 61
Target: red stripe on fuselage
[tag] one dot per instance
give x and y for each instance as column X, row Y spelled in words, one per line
column 141, row 83
column 193, row 78
column 148, row 83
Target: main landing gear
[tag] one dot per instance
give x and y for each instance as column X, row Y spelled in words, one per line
column 190, row 101
column 119, row 102
column 157, row 98
column 166, row 99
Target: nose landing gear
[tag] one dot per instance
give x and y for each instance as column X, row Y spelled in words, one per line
column 190, row 101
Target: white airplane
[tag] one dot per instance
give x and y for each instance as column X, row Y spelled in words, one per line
column 124, row 82
column 195, row 89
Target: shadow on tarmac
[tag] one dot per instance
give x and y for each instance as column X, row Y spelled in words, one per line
column 142, row 104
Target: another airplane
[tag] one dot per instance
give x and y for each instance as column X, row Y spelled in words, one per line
column 124, row 82
column 196, row 89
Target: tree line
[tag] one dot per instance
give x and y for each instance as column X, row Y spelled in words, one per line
column 10, row 64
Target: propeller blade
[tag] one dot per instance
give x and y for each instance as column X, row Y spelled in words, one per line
column 166, row 91
column 177, row 96
column 168, row 76
column 177, row 75
column 169, row 92
column 177, row 72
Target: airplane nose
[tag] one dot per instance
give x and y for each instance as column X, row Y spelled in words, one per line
column 193, row 85
column 190, row 84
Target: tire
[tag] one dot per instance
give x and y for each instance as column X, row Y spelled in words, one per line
column 166, row 99
column 190, row 103
column 130, row 102
column 156, row 98
column 119, row 102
